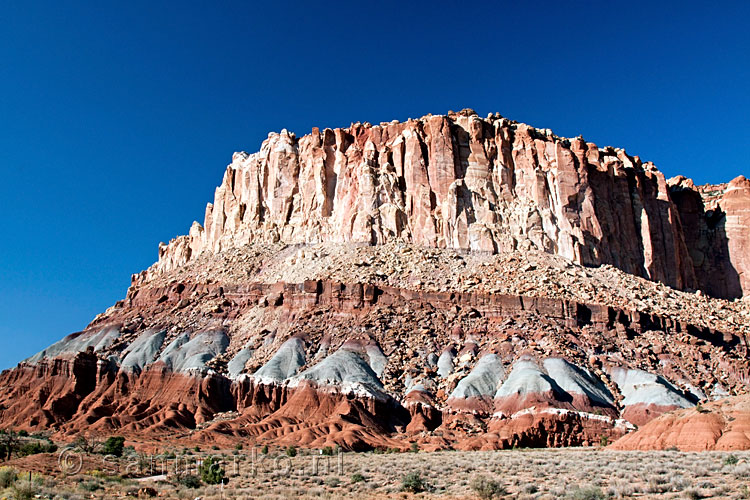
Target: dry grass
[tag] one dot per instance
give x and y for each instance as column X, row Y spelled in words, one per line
column 522, row 474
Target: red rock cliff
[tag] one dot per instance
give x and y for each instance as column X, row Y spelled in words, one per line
column 460, row 181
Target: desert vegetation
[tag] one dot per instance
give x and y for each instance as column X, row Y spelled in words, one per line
column 280, row 473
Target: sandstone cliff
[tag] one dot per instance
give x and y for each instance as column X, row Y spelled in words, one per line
column 482, row 185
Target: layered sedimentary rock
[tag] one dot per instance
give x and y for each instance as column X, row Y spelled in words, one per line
column 452, row 281
column 463, row 182
column 719, row 425
column 322, row 363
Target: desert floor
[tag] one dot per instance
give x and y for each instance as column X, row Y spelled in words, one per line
column 525, row 474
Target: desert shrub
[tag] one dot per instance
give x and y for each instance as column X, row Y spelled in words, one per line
column 8, row 476
column 414, row 448
column 692, row 494
column 357, row 478
column 587, row 493
column 189, row 481
column 22, row 433
column 413, row 483
column 530, row 488
column 211, row 471
column 603, row 441
column 678, row 483
column 24, row 490
column 291, row 451
column 742, row 471
column 264, row 450
column 731, row 460
column 333, row 482
column 238, row 447
column 487, row 489
column 90, row 485
column 327, row 451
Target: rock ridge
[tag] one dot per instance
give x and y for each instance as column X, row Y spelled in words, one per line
column 476, row 184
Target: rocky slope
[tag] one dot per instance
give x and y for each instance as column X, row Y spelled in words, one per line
column 719, row 425
column 454, row 281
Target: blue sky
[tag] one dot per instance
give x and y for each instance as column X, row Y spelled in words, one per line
column 118, row 120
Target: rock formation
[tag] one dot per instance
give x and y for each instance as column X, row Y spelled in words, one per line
column 719, row 425
column 485, row 185
column 452, row 281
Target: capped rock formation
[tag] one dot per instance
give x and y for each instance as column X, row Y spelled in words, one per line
column 452, row 281
column 484, row 185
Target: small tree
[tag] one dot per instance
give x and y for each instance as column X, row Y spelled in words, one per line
column 291, row 451
column 327, row 451
column 87, row 444
column 211, row 471
column 9, row 442
column 114, row 446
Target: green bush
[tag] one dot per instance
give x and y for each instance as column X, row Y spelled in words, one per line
column 34, row 447
column 357, row 478
column 487, row 489
column 238, row 447
column 264, row 450
column 114, row 446
column 731, row 460
column 414, row 448
column 189, row 481
column 327, row 451
column 587, row 493
column 211, row 471
column 413, row 483
column 291, row 451
column 8, row 476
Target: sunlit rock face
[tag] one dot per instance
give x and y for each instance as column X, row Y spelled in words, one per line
column 464, row 182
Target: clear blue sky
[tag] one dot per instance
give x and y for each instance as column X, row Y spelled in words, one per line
column 118, row 121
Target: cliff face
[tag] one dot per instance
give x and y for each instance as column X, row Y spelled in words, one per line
column 460, row 282
column 463, row 182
